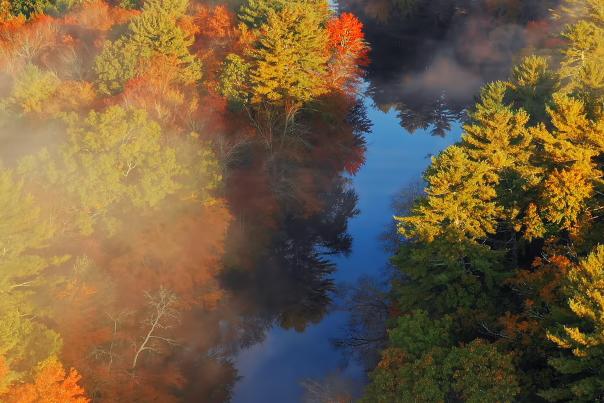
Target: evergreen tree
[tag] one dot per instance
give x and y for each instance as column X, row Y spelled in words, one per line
column 254, row 13
column 582, row 337
column 154, row 31
column 460, row 200
column 112, row 159
column 582, row 67
column 491, row 245
column 289, row 59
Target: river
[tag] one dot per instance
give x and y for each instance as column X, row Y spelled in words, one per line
column 272, row 370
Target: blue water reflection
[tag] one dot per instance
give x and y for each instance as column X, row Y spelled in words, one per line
column 272, row 371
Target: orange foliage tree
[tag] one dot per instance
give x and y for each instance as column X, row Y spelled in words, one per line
column 52, row 384
column 349, row 50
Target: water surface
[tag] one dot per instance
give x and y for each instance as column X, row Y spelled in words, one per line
column 272, row 370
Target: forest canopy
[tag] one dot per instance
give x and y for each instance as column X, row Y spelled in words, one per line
column 175, row 180
column 498, row 292
column 131, row 131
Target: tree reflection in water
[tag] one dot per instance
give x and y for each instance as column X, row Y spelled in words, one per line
column 288, row 223
column 291, row 206
column 429, row 58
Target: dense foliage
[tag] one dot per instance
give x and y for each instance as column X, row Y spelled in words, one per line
column 499, row 296
column 134, row 133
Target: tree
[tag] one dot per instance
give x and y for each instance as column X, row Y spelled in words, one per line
column 28, row 8
column 532, row 87
column 24, row 229
column 172, row 8
column 33, row 88
column 24, row 43
column 283, row 66
column 254, row 13
column 111, row 159
column 234, row 80
column 497, row 134
column 24, row 234
column 162, row 316
column 154, row 32
column 582, row 337
column 493, row 244
column 52, row 384
column 581, row 67
column 480, row 372
column 159, row 90
column 349, row 51
column 460, row 200
column 217, row 22
column 569, row 153
column 420, row 366
column 116, row 64
column 289, row 58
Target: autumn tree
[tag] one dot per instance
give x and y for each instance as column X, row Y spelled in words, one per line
column 581, row 68
column 51, row 384
column 349, row 51
column 456, row 185
column 254, row 13
column 33, row 88
column 158, row 90
column 570, row 152
column 532, row 86
column 284, row 67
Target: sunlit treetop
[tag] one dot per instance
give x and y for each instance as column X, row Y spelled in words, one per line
column 532, row 86
column 349, row 52
column 290, row 56
column 460, row 200
column 496, row 133
column 581, row 67
column 155, row 31
column 254, row 13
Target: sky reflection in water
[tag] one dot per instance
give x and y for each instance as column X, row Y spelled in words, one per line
column 271, row 371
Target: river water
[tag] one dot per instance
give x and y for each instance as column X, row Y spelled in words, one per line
column 272, row 370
